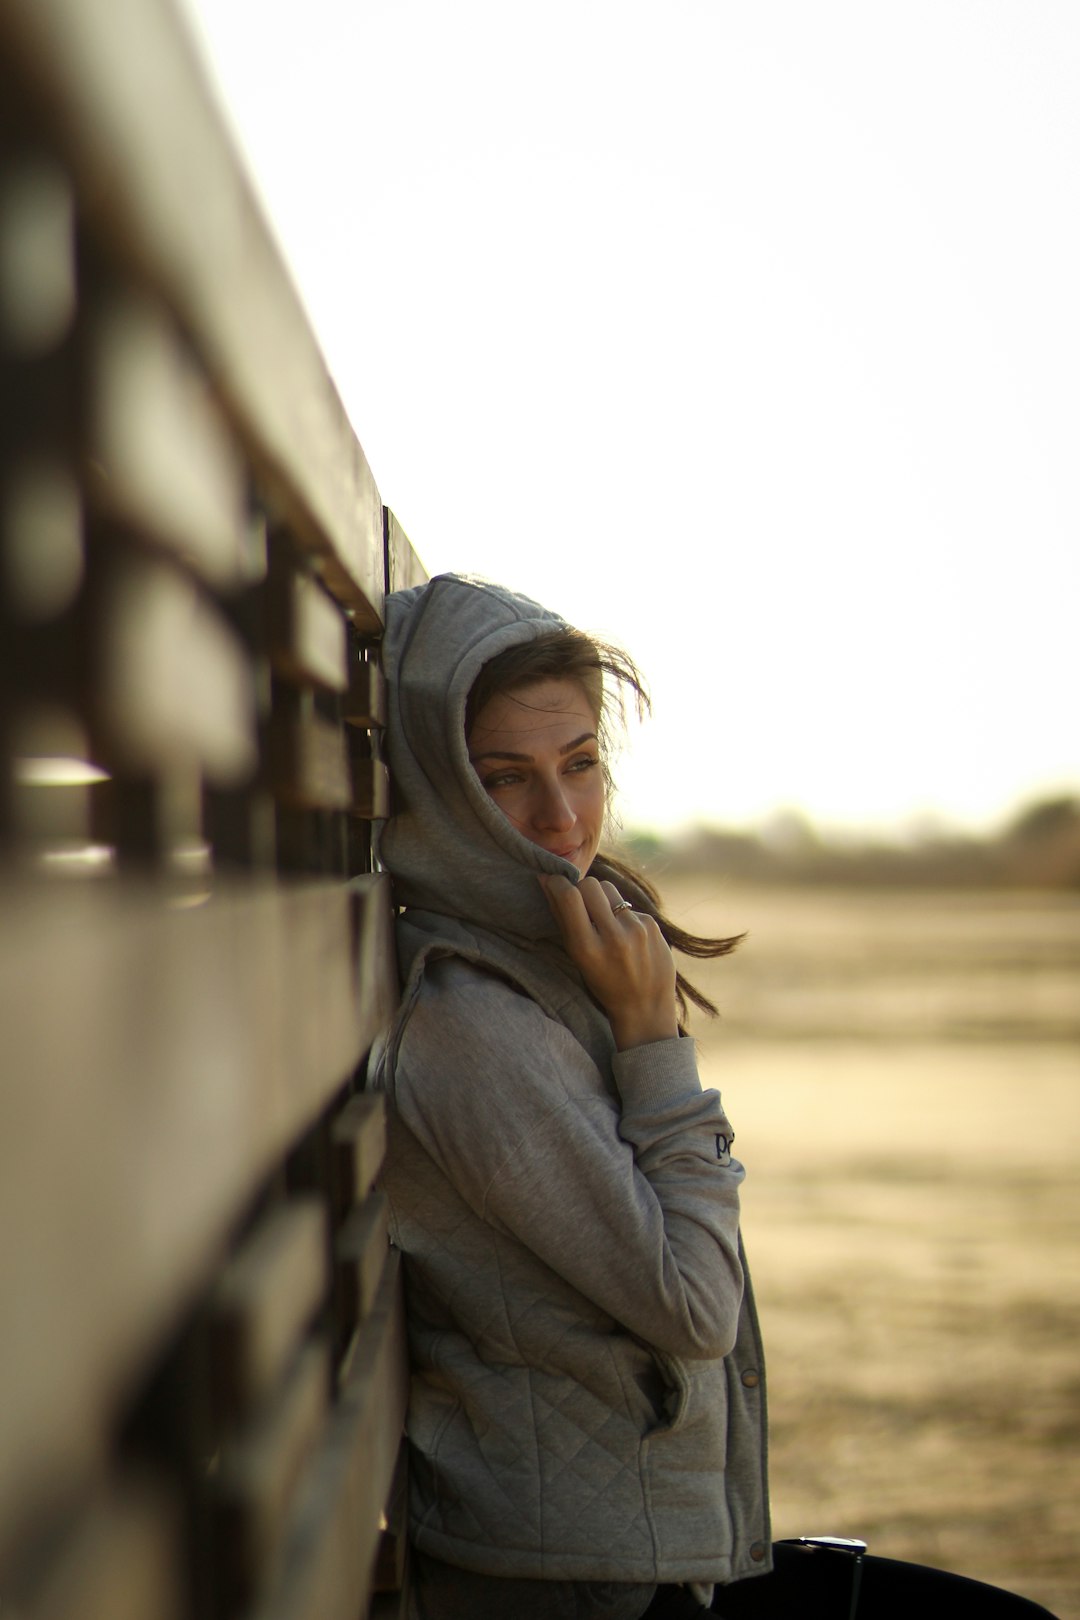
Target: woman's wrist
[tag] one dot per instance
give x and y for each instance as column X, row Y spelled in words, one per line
column 634, row 1031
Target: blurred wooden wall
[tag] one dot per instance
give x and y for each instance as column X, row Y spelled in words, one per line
column 201, row 1365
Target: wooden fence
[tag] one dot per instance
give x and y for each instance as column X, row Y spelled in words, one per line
column 201, row 1361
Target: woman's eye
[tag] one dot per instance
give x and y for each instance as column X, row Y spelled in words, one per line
column 586, row 763
column 500, row 779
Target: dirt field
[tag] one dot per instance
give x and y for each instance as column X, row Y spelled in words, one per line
column 903, row 1073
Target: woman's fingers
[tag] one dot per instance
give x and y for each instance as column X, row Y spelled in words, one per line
column 600, row 899
column 623, row 957
column 571, row 914
column 591, row 926
column 587, row 907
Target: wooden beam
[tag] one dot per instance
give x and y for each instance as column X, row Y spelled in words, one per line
column 37, row 252
column 337, row 1534
column 158, row 1062
column 309, row 636
column 359, row 1252
column 358, row 1135
column 309, row 763
column 370, row 789
column 376, row 952
column 403, row 566
column 364, row 705
column 260, row 1475
column 120, row 1559
column 161, row 456
column 264, row 1303
column 393, row 1543
column 173, row 685
column 128, row 106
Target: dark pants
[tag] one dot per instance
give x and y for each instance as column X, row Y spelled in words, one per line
column 801, row 1586
column 817, row 1586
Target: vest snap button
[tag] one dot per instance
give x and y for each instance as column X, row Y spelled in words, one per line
column 757, row 1551
column 751, row 1378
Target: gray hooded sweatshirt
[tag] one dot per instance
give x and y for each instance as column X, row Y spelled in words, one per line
column 587, row 1398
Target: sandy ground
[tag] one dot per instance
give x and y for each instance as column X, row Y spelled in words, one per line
column 903, row 1073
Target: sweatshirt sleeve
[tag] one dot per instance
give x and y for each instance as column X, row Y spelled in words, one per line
column 636, row 1206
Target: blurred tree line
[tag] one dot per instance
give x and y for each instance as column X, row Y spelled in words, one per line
column 1039, row 848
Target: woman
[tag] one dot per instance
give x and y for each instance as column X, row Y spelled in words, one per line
column 587, row 1410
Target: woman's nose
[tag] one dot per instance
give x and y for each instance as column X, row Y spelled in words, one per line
column 552, row 808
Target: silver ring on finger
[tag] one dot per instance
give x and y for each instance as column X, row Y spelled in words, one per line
column 623, row 905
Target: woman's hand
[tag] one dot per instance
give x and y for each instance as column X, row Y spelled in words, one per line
column 623, row 957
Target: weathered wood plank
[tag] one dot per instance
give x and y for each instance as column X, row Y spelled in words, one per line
column 173, row 686
column 41, row 535
column 162, row 455
column 339, row 1522
column 359, row 1252
column 309, row 635
column 370, row 789
column 403, row 566
column 364, row 704
column 376, row 952
column 157, row 1063
column 309, row 763
column 127, row 101
column 358, row 1135
column 267, row 1296
column 121, row 1560
column 37, row 254
column 390, row 1562
column 260, row 1475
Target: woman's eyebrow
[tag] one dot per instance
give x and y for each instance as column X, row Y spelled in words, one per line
column 527, row 759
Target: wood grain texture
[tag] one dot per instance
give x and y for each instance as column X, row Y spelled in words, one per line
column 154, row 1070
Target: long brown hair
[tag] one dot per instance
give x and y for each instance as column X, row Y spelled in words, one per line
column 571, row 655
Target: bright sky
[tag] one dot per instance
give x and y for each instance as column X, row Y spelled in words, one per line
column 744, row 331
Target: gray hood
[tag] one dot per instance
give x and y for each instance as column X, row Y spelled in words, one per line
column 449, row 849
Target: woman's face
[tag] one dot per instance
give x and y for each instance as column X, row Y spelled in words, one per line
column 536, row 754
